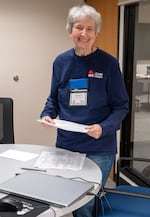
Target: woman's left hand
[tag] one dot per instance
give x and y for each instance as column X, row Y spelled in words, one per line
column 94, row 131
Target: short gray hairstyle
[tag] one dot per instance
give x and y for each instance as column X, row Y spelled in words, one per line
column 80, row 12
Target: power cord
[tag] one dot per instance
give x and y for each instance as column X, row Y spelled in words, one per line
column 84, row 180
column 103, row 194
column 99, row 196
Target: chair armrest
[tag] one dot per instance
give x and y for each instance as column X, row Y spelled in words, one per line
column 127, row 192
column 127, row 159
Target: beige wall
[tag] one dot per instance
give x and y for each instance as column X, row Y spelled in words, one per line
column 32, row 33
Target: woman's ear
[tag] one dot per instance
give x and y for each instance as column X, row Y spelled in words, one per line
column 70, row 35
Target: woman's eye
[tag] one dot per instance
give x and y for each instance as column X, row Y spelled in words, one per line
column 79, row 28
column 90, row 29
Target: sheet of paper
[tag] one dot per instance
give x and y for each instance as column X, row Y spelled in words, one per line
column 67, row 125
column 60, row 159
column 18, row 155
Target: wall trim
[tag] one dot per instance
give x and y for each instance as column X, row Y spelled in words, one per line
column 126, row 2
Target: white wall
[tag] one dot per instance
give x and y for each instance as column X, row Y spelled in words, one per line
column 32, row 33
column 144, row 12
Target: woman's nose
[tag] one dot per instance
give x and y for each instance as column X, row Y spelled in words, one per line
column 83, row 32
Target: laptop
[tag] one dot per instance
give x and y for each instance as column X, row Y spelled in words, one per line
column 53, row 190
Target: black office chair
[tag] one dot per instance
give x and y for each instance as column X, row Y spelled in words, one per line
column 124, row 200
column 6, row 121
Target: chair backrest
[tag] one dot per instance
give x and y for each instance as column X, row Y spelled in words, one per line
column 125, row 201
column 6, row 121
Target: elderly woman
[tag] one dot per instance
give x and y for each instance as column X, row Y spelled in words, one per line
column 87, row 87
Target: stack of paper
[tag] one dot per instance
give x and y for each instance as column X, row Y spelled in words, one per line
column 66, row 125
column 60, row 159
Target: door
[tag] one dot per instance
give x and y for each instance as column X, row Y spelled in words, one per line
column 135, row 139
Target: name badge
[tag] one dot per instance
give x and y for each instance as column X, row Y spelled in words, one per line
column 78, row 92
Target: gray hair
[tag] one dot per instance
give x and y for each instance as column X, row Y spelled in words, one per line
column 80, row 12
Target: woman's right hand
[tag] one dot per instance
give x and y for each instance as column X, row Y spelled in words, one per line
column 48, row 119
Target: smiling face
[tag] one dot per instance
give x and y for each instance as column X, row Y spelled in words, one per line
column 83, row 35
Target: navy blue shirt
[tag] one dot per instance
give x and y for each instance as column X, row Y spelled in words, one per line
column 107, row 100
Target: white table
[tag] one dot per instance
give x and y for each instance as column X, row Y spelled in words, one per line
column 9, row 168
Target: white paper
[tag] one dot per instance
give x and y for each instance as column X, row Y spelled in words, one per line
column 67, row 125
column 18, row 155
column 60, row 159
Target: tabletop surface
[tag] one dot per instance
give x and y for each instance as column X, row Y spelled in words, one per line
column 10, row 167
